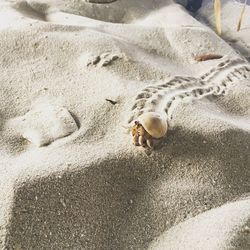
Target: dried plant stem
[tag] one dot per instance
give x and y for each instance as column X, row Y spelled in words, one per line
column 206, row 57
column 217, row 11
column 241, row 15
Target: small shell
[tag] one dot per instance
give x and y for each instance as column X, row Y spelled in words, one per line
column 154, row 124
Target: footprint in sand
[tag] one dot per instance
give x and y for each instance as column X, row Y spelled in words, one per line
column 103, row 60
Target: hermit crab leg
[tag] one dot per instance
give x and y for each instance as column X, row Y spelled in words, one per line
column 150, row 143
column 136, row 140
column 142, row 141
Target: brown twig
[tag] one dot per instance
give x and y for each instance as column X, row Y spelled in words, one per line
column 206, row 57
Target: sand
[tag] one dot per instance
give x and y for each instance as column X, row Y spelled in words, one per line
column 74, row 77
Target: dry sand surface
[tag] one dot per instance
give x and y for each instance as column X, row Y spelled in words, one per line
column 70, row 177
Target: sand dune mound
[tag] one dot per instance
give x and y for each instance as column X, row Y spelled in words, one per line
column 75, row 75
column 227, row 222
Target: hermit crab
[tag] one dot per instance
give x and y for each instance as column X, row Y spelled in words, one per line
column 148, row 129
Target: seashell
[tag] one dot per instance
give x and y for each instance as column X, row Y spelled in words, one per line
column 154, row 123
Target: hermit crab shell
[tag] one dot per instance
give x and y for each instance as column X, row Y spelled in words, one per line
column 155, row 124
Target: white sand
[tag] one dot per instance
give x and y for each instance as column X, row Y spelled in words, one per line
column 79, row 182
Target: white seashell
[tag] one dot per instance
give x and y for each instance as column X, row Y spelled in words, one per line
column 155, row 124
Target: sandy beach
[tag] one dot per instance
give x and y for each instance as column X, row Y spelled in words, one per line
column 74, row 77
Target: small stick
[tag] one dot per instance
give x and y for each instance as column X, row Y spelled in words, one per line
column 111, row 101
column 207, row 57
column 241, row 15
column 217, row 11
